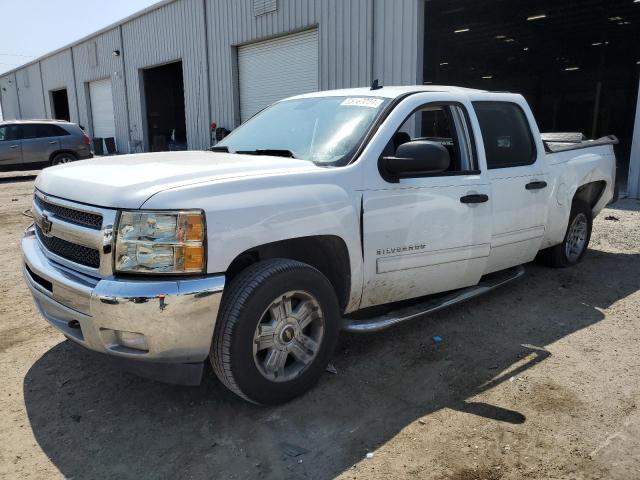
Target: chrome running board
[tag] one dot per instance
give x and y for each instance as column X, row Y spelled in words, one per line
column 433, row 304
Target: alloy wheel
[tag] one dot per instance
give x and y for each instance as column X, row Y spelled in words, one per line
column 576, row 238
column 288, row 337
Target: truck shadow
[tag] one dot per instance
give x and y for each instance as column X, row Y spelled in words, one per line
column 94, row 421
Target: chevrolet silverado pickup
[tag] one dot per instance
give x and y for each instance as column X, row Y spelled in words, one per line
column 256, row 254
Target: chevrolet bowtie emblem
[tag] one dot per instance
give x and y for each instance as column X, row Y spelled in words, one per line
column 45, row 225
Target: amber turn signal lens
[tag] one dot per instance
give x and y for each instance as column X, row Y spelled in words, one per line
column 195, row 228
column 194, row 259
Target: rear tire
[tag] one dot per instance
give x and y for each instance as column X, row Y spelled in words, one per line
column 276, row 331
column 63, row 158
column 576, row 240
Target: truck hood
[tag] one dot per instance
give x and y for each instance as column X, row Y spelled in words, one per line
column 127, row 181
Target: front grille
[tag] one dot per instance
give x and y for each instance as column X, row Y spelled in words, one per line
column 78, row 217
column 88, row 257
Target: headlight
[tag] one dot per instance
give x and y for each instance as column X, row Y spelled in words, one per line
column 160, row 242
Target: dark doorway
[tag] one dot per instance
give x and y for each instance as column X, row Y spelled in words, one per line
column 164, row 97
column 576, row 62
column 60, row 102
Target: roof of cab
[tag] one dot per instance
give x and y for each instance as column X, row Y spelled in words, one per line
column 389, row 92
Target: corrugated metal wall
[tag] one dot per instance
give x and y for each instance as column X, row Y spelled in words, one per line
column 94, row 60
column 30, row 92
column 398, row 40
column 352, row 34
column 344, row 44
column 57, row 73
column 173, row 32
column 9, row 97
column 359, row 40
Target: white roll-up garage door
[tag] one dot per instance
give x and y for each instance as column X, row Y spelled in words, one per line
column 275, row 69
column 104, row 125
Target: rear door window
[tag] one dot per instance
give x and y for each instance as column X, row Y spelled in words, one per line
column 29, row 131
column 506, row 135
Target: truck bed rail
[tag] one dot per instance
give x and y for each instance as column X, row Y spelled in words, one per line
column 563, row 142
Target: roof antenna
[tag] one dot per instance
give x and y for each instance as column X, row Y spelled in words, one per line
column 375, row 85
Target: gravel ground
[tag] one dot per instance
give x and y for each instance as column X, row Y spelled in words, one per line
column 539, row 380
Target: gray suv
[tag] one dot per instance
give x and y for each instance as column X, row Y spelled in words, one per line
column 29, row 142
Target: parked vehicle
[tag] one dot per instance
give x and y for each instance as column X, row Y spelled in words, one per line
column 256, row 255
column 32, row 142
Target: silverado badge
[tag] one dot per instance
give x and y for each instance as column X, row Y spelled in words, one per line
column 403, row 249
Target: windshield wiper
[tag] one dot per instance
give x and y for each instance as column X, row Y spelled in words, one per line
column 268, row 151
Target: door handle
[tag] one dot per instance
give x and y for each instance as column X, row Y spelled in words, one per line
column 474, row 198
column 53, row 142
column 14, row 146
column 535, row 185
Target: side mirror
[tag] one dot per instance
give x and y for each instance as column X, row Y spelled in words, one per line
column 420, row 157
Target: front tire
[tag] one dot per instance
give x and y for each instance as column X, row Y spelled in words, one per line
column 576, row 240
column 276, row 331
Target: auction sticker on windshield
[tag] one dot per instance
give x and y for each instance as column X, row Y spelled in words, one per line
column 362, row 102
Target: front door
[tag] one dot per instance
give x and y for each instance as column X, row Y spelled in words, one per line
column 420, row 237
column 519, row 188
column 10, row 147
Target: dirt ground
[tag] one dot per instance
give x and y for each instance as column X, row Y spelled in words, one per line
column 539, row 380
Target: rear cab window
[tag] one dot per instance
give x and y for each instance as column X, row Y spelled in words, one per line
column 508, row 141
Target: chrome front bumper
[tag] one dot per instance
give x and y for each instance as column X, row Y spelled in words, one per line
column 161, row 321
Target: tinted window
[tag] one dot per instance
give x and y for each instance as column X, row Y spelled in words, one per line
column 9, row 133
column 443, row 124
column 506, row 134
column 45, row 130
column 42, row 130
column 29, row 131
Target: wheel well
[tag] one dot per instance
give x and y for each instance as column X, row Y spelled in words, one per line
column 590, row 193
column 58, row 152
column 327, row 253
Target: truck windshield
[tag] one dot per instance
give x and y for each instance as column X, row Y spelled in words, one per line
column 324, row 130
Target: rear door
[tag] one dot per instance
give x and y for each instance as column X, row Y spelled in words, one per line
column 10, row 146
column 39, row 142
column 419, row 235
column 518, row 178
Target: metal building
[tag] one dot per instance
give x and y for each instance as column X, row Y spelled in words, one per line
column 158, row 79
column 176, row 67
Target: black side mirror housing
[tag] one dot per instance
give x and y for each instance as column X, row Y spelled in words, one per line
column 412, row 159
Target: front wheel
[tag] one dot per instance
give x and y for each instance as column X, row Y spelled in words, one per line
column 576, row 239
column 276, row 331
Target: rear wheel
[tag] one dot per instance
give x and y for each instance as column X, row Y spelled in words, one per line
column 63, row 158
column 576, row 240
column 276, row 331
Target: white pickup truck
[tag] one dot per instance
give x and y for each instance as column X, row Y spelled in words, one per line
column 257, row 254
